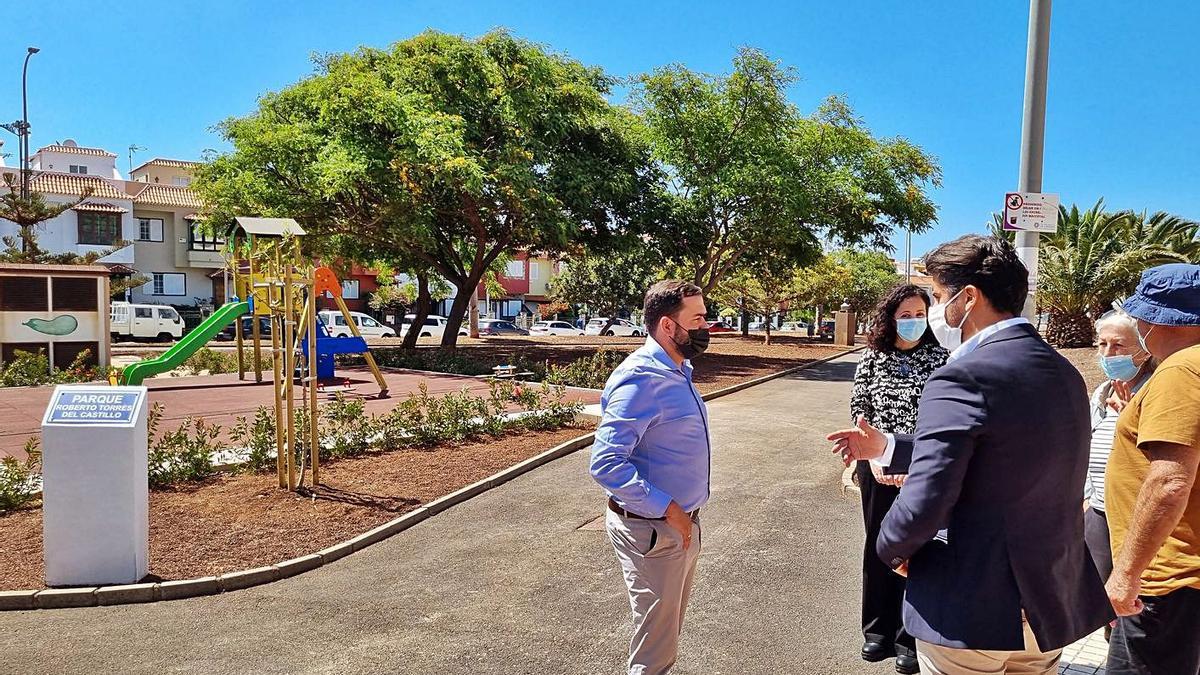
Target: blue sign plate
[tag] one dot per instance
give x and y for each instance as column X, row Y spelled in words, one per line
column 93, row 405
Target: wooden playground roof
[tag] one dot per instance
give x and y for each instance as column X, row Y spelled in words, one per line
column 269, row 227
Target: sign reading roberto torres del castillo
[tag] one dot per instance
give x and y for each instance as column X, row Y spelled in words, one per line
column 94, row 405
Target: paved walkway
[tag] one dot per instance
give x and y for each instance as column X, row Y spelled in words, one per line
column 516, row 581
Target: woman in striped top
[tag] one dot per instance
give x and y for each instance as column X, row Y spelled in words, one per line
column 1127, row 367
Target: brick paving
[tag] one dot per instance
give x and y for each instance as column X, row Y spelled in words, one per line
column 1086, row 657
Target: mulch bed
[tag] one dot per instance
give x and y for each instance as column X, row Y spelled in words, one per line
column 235, row 522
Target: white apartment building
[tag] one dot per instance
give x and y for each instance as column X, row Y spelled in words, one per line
column 156, row 212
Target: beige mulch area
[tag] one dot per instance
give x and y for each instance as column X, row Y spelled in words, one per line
column 1084, row 360
column 235, row 522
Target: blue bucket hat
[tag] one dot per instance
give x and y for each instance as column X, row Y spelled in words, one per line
column 1168, row 295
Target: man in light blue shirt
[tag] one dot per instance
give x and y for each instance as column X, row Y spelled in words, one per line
column 652, row 456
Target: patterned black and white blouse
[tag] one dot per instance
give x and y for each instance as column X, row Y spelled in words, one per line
column 888, row 386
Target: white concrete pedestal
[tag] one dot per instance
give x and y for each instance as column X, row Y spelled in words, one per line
column 95, row 491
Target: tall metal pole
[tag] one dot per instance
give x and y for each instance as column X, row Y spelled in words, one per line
column 30, row 51
column 908, row 256
column 1033, row 134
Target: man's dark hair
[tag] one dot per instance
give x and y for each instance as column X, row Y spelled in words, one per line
column 882, row 337
column 987, row 263
column 665, row 298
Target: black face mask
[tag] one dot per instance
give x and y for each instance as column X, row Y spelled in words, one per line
column 696, row 343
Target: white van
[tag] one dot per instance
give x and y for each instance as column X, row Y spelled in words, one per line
column 435, row 326
column 335, row 324
column 159, row 322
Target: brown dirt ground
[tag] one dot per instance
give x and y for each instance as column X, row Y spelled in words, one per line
column 235, row 522
column 730, row 359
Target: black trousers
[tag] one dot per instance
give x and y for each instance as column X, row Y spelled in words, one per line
column 882, row 589
column 1163, row 640
column 1095, row 535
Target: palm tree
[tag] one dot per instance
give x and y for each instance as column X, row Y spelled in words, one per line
column 1097, row 257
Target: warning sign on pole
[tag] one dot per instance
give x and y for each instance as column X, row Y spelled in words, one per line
column 1031, row 212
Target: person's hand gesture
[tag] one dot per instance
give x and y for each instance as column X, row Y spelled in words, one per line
column 1121, row 396
column 861, row 442
column 678, row 519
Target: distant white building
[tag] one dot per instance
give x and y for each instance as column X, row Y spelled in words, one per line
column 156, row 212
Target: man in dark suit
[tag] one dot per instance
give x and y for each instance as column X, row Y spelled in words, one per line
column 988, row 526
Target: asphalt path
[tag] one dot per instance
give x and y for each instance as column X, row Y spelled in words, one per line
column 510, row 583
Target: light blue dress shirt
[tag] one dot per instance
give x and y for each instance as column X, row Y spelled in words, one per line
column 652, row 445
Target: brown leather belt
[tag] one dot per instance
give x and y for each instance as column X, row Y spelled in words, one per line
column 615, row 508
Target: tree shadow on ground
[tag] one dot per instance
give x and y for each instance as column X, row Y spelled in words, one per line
column 387, row 503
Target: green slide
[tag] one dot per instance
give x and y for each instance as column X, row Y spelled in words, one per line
column 188, row 345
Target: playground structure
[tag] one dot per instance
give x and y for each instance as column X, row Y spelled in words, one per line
column 272, row 279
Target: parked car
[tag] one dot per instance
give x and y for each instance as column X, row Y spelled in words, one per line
column 434, row 325
column 131, row 321
column 795, row 327
column 719, row 327
column 554, row 328
column 336, row 326
column 230, row 332
column 619, row 327
column 758, row 325
column 495, row 327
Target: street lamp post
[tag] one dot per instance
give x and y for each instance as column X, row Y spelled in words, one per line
column 29, row 51
column 1033, row 134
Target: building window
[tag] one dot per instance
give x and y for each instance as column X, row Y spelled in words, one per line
column 515, row 270
column 533, row 270
column 181, row 181
column 168, row 283
column 200, row 240
column 78, row 168
column 98, row 228
column 150, row 229
column 350, row 289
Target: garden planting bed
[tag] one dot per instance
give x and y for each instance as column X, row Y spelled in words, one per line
column 234, row 522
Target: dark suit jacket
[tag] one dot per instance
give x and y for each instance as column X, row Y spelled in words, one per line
column 999, row 458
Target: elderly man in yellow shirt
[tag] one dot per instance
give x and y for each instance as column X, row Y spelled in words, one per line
column 1153, row 497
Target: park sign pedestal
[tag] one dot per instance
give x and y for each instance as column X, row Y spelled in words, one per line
column 95, row 490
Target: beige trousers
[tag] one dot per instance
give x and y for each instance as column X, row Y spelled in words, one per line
column 658, row 573
column 938, row 660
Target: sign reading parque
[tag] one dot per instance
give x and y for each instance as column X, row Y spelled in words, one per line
column 95, row 405
column 1031, row 212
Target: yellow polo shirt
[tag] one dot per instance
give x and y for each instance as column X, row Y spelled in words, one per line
column 1166, row 410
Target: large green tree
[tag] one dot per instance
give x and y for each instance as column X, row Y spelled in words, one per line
column 749, row 175
column 607, row 282
column 767, row 287
column 441, row 149
column 857, row 278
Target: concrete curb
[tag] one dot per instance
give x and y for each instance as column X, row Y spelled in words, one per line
column 190, row 588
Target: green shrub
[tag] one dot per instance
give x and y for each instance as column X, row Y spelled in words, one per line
column 19, row 482
column 345, row 428
column 259, row 437
column 181, row 455
column 590, row 372
column 27, row 369
column 452, row 361
column 218, row 362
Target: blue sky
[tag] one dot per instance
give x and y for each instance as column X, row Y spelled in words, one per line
column 1123, row 113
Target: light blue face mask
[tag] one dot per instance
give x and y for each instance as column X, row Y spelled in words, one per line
column 911, row 329
column 1119, row 367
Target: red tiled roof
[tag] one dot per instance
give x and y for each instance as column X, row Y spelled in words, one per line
column 118, row 268
column 77, row 150
column 170, row 163
column 99, row 206
column 75, row 184
column 155, row 194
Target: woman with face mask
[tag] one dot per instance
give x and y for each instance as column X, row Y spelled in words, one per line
column 1127, row 367
column 902, row 353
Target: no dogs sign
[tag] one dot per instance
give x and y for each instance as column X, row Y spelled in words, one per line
column 1031, row 212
